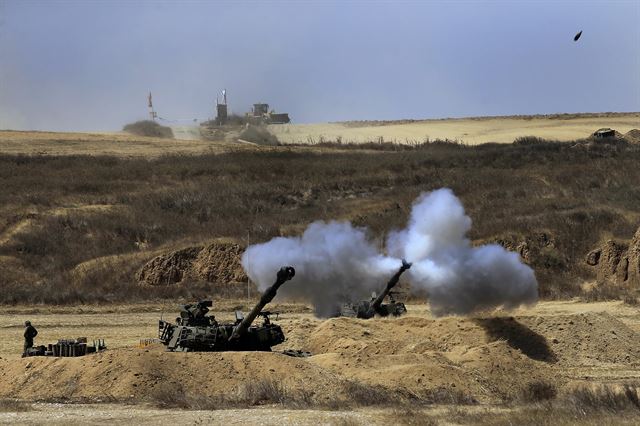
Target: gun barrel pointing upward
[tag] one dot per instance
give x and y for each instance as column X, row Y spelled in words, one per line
column 392, row 282
column 284, row 274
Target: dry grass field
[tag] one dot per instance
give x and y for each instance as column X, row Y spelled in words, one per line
column 111, row 144
column 76, row 228
column 470, row 131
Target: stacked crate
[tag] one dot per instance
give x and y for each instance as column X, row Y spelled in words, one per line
column 74, row 347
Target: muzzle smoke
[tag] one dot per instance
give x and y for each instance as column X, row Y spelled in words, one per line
column 459, row 278
column 336, row 262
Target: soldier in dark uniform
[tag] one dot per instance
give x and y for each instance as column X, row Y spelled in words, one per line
column 29, row 333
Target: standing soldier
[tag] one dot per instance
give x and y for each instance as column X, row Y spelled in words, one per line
column 29, row 333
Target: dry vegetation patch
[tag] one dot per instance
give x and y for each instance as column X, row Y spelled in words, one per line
column 472, row 130
column 148, row 128
column 572, row 193
column 14, row 406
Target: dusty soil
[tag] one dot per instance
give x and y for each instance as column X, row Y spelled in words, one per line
column 116, row 144
column 490, row 357
column 81, row 414
column 471, row 131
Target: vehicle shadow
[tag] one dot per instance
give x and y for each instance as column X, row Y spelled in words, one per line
column 518, row 336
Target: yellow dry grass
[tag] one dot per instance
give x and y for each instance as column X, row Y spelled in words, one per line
column 471, row 131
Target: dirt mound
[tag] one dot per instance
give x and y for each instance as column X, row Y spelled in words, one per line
column 617, row 262
column 633, row 136
column 633, row 258
column 539, row 249
column 218, row 262
column 415, row 353
column 148, row 128
column 587, row 339
column 168, row 268
column 489, row 359
column 138, row 373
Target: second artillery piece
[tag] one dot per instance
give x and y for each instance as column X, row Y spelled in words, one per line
column 194, row 330
column 366, row 309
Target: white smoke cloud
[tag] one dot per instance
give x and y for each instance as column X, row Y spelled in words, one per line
column 459, row 279
column 337, row 263
column 437, row 224
column 334, row 262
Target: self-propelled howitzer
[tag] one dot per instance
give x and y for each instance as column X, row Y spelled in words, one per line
column 366, row 309
column 195, row 331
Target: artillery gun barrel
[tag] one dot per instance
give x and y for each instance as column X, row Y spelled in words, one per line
column 284, row 274
column 392, row 282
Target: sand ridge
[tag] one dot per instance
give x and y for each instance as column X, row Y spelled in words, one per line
column 491, row 358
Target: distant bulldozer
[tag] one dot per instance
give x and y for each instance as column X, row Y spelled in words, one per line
column 366, row 309
column 260, row 114
column 194, row 330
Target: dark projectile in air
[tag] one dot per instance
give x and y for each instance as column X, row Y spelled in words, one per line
column 577, row 36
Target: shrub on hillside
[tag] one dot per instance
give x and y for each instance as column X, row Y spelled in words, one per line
column 148, row 128
column 539, row 391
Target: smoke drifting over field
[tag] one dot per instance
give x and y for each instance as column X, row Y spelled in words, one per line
column 336, row 262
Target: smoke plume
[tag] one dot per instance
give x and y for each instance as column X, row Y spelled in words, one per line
column 459, row 278
column 336, row 262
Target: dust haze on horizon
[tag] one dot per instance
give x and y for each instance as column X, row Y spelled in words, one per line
column 87, row 66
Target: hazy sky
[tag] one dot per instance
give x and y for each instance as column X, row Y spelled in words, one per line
column 67, row 65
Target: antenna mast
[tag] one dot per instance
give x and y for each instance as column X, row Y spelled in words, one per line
column 152, row 114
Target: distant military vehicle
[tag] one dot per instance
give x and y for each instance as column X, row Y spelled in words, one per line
column 194, row 330
column 604, row 132
column 366, row 309
column 260, row 114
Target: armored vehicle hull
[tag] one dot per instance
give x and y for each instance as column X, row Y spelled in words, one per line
column 195, row 331
column 216, row 338
column 366, row 309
